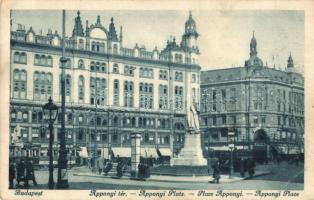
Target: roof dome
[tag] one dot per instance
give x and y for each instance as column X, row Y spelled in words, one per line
column 190, row 25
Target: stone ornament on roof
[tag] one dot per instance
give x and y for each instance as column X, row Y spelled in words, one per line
column 253, row 61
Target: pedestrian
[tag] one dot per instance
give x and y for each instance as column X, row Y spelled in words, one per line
column 20, row 168
column 120, row 169
column 30, row 174
column 11, row 174
column 108, row 167
column 216, row 172
column 140, row 171
column 251, row 168
column 296, row 160
column 100, row 165
column 146, row 171
column 242, row 164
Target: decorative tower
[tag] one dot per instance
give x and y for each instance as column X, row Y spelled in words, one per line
column 189, row 38
column 290, row 64
column 253, row 61
column 112, row 31
column 78, row 28
column 87, row 29
column 253, row 44
column 113, row 42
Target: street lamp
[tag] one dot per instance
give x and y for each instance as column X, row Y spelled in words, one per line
column 50, row 111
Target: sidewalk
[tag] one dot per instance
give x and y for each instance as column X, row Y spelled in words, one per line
column 193, row 179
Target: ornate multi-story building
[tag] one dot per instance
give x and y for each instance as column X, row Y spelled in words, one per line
column 264, row 107
column 111, row 91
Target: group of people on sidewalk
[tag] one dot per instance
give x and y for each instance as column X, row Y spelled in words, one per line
column 105, row 166
column 22, row 171
column 143, row 170
column 245, row 165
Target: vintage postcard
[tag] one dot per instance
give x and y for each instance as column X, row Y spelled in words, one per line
column 159, row 100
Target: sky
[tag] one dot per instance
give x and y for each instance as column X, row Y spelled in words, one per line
column 224, row 34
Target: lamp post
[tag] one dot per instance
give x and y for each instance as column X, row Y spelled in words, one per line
column 50, row 111
column 63, row 161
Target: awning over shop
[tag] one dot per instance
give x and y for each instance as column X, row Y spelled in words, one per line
column 291, row 150
column 121, row 151
column 165, row 151
column 226, row 148
column 83, row 152
column 149, row 152
column 220, row 148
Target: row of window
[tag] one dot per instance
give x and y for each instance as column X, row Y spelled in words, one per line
column 81, row 120
column 96, row 66
column 83, row 135
column 43, row 60
column 43, row 86
column 221, row 120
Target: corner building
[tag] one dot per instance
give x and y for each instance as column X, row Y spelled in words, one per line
column 111, row 90
column 264, row 107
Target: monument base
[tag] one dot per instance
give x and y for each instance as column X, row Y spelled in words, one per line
column 191, row 154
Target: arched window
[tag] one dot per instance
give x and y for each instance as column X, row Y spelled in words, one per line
column 36, row 59
column 23, row 58
column 103, row 92
column 43, row 60
column 92, row 66
column 19, row 84
column 116, row 92
column 163, row 96
column 97, row 66
column 116, row 121
column 68, row 84
column 103, row 67
column 146, row 95
column 81, row 64
column 93, row 46
column 81, row 88
column 49, row 84
column 49, row 61
column 16, row 57
column 36, row 85
column 98, row 91
column 81, row 44
column 42, row 85
column 179, row 97
column 128, row 94
column 70, row 118
column 115, row 68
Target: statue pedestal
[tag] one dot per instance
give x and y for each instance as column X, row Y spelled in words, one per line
column 191, row 154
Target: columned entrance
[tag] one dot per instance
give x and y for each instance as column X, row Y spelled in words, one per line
column 261, row 141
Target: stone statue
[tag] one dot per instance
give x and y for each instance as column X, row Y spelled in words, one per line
column 193, row 121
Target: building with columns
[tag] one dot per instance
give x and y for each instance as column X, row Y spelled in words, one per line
column 264, row 106
column 111, row 90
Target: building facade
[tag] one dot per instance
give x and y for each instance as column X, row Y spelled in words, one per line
column 264, row 107
column 111, row 90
